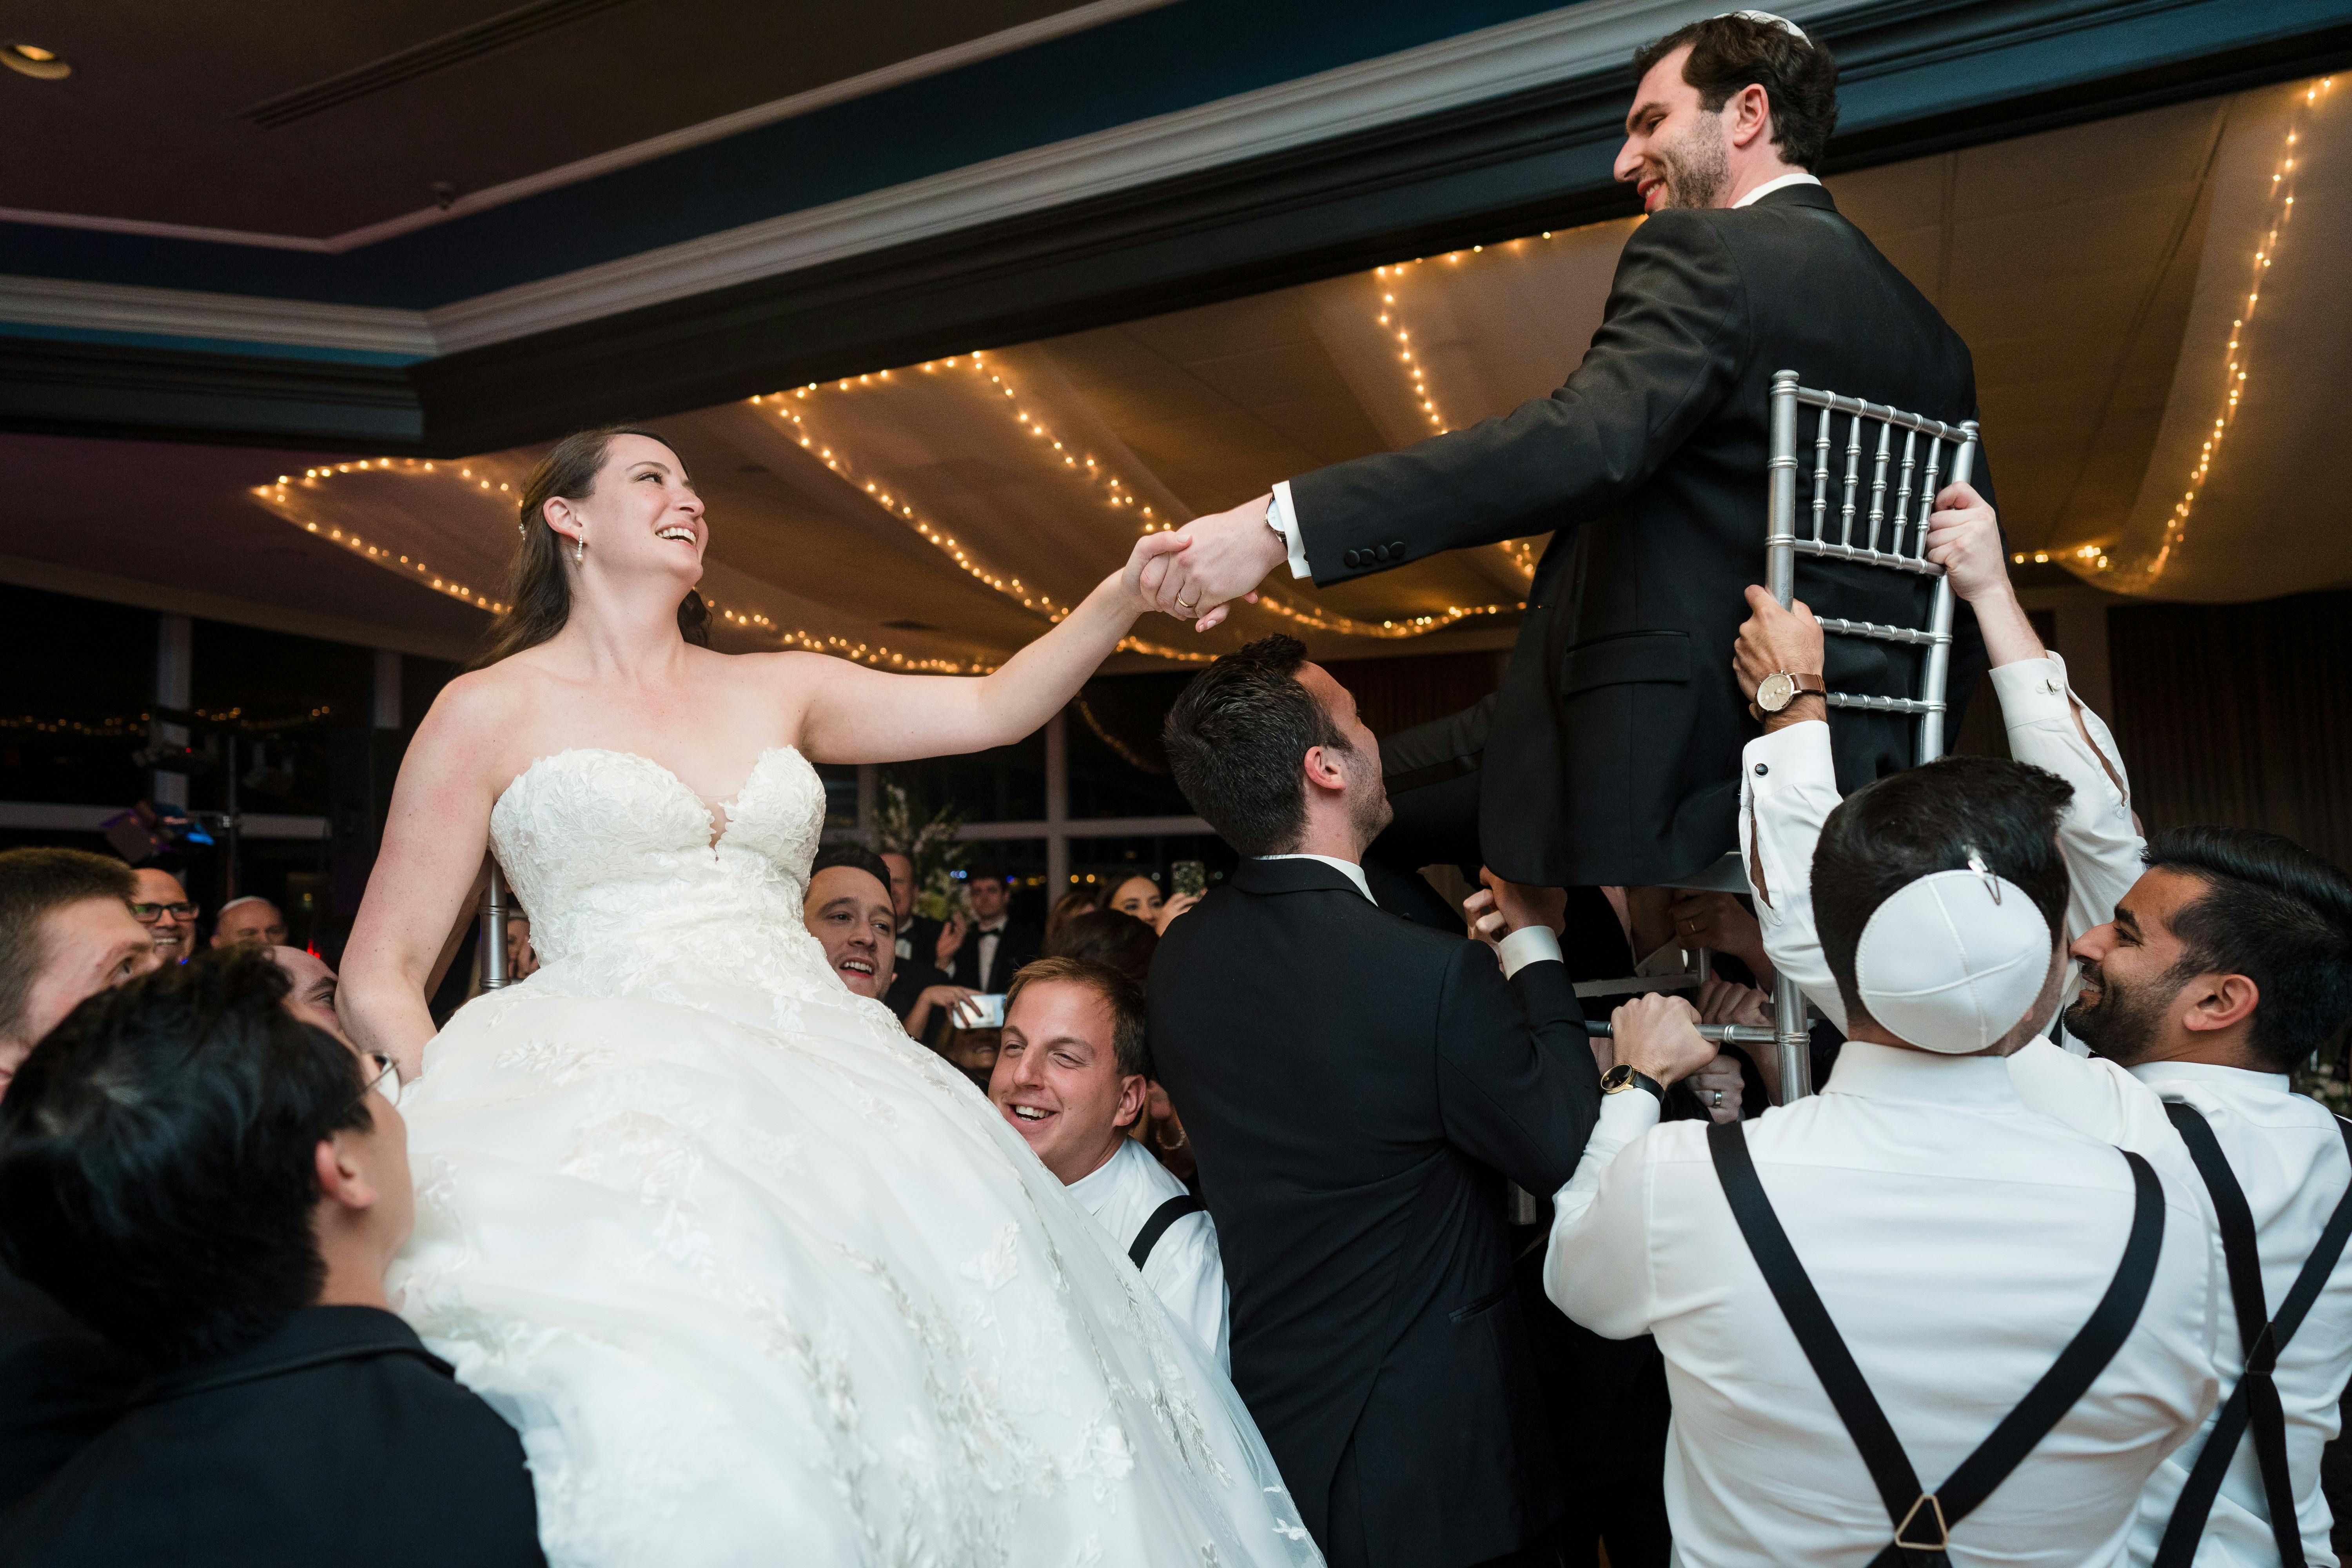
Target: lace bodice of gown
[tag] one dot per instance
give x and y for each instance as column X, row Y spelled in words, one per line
column 612, row 855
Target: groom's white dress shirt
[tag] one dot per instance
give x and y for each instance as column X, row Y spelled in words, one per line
column 1184, row 1269
column 2282, row 1146
column 1959, row 1240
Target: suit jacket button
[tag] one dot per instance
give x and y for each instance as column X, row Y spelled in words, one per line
column 1353, row 558
column 1380, row 553
column 1396, row 551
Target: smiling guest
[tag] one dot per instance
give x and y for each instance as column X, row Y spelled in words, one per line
column 1071, row 1073
column 312, row 998
column 163, row 907
column 848, row 911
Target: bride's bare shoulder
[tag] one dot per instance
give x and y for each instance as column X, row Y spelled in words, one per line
column 482, row 705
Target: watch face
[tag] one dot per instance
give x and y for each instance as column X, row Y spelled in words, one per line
column 1773, row 693
column 1617, row 1077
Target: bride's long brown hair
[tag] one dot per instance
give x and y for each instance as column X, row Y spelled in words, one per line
column 538, row 595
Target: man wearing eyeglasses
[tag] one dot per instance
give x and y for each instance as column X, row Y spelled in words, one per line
column 163, row 907
column 218, row 1186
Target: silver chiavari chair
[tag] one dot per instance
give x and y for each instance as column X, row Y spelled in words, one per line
column 492, row 941
column 1845, row 525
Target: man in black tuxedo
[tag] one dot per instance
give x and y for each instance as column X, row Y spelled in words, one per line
column 1356, row 1087
column 994, row 946
column 217, row 1186
column 1614, row 751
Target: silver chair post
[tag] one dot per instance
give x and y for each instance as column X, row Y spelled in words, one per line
column 1780, row 533
column 1791, row 1042
column 1937, row 676
column 493, row 938
column 1789, row 1038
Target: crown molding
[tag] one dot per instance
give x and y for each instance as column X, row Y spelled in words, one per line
column 231, row 318
column 1541, row 51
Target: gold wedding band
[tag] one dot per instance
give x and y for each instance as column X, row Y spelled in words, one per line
column 1193, row 605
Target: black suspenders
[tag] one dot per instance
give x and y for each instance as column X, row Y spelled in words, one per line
column 2254, row 1402
column 1924, row 1519
column 1155, row 1227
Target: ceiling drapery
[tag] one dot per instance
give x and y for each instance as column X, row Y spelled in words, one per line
column 939, row 516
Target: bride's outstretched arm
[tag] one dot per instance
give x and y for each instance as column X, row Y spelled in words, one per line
column 853, row 714
column 434, row 840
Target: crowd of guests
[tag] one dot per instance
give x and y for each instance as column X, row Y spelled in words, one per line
column 1985, row 1298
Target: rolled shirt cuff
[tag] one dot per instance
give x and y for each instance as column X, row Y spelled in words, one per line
column 1283, row 518
column 1528, row 944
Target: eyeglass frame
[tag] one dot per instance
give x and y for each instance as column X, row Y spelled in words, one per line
column 387, row 1072
column 183, row 910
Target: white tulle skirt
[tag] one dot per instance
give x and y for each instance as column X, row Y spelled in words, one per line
column 763, row 1281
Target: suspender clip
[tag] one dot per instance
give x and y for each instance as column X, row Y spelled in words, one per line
column 2261, row 1357
column 1935, row 1516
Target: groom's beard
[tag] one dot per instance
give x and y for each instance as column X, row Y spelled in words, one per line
column 1694, row 167
column 1370, row 813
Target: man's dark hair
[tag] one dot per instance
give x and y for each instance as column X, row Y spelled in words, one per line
column 1888, row 835
column 1730, row 52
column 856, row 855
column 1111, row 937
column 158, row 1168
column 1237, row 740
column 1129, row 1036
column 2275, row 913
column 33, row 882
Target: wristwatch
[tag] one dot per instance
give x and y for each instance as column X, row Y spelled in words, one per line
column 1779, row 689
column 1621, row 1078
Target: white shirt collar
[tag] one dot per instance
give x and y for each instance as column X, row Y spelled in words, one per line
column 1094, row 1189
column 1355, row 872
column 1890, row 1072
column 2156, row 1073
column 1768, row 187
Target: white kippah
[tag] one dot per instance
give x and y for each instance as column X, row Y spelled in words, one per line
column 1953, row 961
column 1766, row 19
column 249, row 899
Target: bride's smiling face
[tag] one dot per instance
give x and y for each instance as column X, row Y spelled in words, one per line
column 642, row 518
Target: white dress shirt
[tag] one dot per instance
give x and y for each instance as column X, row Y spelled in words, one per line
column 1787, row 786
column 987, row 940
column 2287, row 1155
column 1184, row 1269
column 1959, row 1241
column 1282, row 513
column 2282, row 1146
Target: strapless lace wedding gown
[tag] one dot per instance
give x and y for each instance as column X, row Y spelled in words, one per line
column 758, row 1278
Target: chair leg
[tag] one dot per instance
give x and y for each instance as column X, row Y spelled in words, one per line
column 1791, row 1040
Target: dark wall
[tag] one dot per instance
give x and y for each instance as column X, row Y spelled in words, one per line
column 2239, row 714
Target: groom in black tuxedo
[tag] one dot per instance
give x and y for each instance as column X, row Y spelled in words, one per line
column 1614, row 748
column 1358, row 1087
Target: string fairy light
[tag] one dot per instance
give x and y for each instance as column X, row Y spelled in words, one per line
column 1114, row 491
column 2278, row 210
column 1390, row 318
column 279, row 497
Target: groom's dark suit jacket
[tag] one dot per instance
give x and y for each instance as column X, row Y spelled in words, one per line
column 1614, row 753
column 1353, row 1084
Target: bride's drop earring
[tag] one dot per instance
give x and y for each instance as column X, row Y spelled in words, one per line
column 578, row 550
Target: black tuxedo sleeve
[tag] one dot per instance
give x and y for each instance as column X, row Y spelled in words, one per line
column 1517, row 1085
column 1670, row 349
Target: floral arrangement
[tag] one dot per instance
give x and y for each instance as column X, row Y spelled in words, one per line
column 928, row 838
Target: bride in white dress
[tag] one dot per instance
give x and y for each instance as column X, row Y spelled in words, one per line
column 758, row 1278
